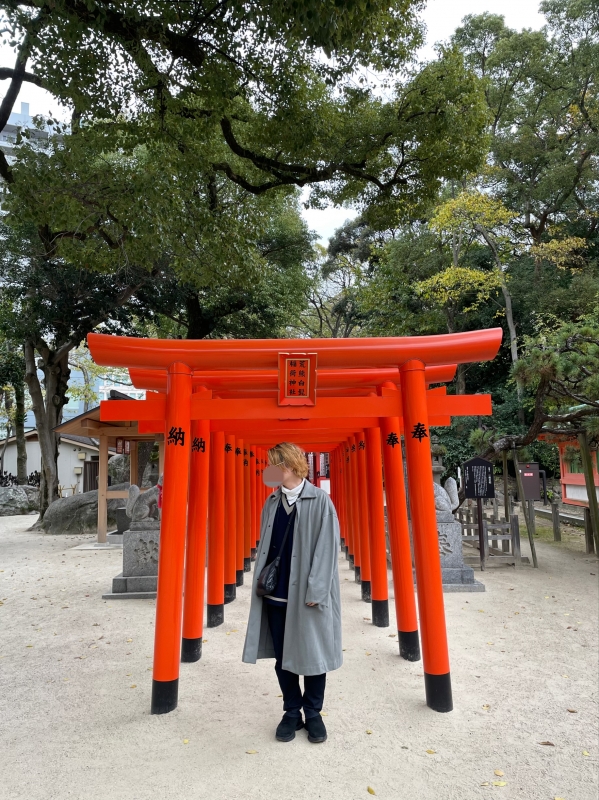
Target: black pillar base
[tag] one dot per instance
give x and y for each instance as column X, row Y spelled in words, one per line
column 165, row 695
column 366, row 595
column 215, row 615
column 239, row 577
column 247, row 564
column 438, row 692
column 191, row 650
column 342, row 543
column 380, row 613
column 357, row 575
column 230, row 592
column 351, row 562
column 409, row 645
column 346, row 548
column 253, row 554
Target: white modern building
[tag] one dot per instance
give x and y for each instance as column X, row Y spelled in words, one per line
column 77, row 461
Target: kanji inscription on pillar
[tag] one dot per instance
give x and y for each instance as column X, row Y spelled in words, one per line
column 297, row 379
column 419, row 431
column 392, row 439
column 198, row 445
column 176, row 436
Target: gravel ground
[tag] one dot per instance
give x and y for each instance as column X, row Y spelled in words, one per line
column 75, row 678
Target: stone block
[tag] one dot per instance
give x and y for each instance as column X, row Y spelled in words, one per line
column 140, row 553
column 122, row 520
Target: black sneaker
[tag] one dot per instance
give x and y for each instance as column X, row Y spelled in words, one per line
column 287, row 727
column 316, row 730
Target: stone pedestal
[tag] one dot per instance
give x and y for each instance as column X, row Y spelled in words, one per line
column 139, row 577
column 457, row 576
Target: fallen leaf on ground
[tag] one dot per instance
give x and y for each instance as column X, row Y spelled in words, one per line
column 585, row 753
column 392, row 635
column 185, row 741
column 368, row 654
column 499, row 773
column 499, row 783
column 486, row 707
column 134, row 686
column 324, row 713
column 431, row 752
column 251, row 752
column 548, row 743
column 370, row 790
column 368, row 730
column 129, row 640
column 572, row 711
column 486, row 783
column 558, row 798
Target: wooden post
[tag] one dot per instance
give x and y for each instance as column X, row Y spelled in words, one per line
column 557, row 534
column 102, row 489
column 161, row 456
column 515, row 532
column 133, row 462
column 587, row 466
column 247, row 511
column 588, row 532
column 253, row 504
column 532, row 529
column 506, row 498
column 481, row 533
column 351, row 503
column 437, row 677
column 530, row 522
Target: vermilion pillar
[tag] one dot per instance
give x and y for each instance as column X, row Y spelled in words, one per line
column 239, row 508
column 364, row 524
column 351, row 528
column 399, row 540
column 247, row 512
column 230, row 521
column 216, row 533
column 197, row 523
column 376, row 518
column 437, row 679
column 169, row 598
column 353, row 473
column 255, row 531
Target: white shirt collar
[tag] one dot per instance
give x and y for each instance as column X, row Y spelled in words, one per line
column 291, row 495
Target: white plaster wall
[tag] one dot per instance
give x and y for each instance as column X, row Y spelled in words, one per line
column 67, row 461
column 578, row 493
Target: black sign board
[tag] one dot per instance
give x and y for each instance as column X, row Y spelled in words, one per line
column 478, row 478
column 531, row 482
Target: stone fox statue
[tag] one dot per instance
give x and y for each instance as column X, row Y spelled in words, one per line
column 143, row 506
column 446, row 497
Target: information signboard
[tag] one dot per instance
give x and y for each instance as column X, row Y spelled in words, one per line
column 531, row 481
column 478, row 479
column 297, row 379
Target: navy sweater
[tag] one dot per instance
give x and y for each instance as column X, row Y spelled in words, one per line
column 279, row 526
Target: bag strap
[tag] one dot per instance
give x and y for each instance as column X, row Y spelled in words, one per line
column 291, row 518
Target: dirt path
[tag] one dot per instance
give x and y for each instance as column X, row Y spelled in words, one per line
column 75, row 692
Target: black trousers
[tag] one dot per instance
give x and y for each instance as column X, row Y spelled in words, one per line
column 314, row 685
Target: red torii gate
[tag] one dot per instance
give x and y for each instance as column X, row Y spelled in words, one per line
column 216, row 399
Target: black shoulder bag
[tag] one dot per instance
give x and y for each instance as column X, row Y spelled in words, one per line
column 268, row 578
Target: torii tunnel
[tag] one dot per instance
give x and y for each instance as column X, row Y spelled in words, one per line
column 222, row 404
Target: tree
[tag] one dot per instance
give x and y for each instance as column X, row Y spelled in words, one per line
column 12, row 377
column 50, row 306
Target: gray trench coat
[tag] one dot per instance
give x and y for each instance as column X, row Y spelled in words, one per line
column 312, row 633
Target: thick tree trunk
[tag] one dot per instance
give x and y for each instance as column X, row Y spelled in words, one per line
column 4, row 446
column 20, row 434
column 47, row 408
column 460, row 381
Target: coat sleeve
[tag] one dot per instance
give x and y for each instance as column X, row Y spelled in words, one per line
column 324, row 561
